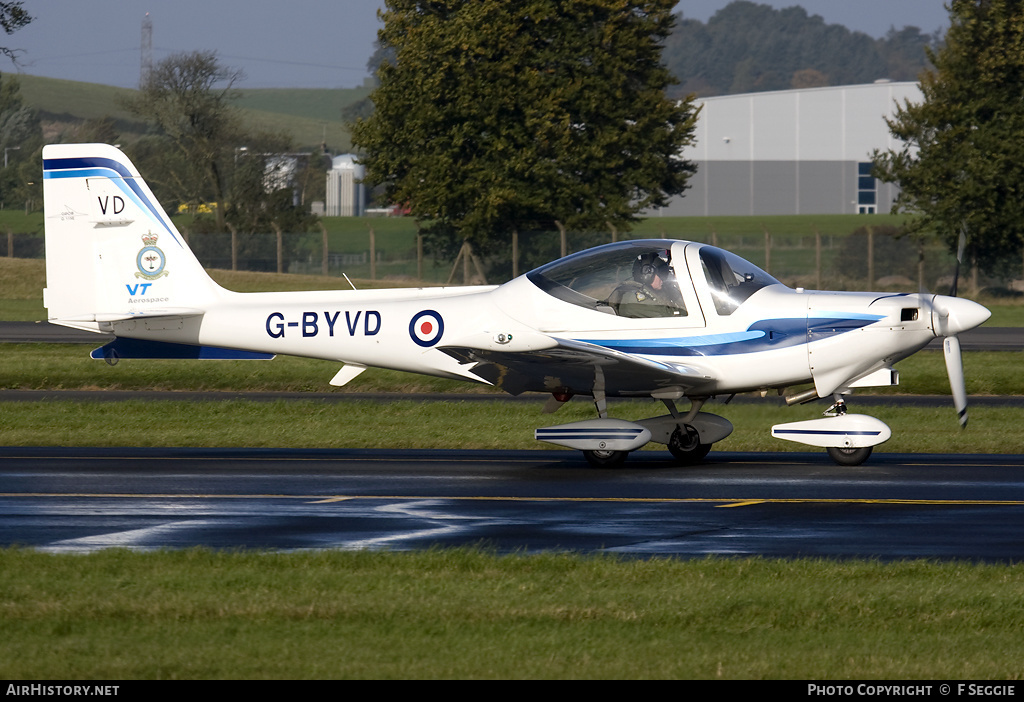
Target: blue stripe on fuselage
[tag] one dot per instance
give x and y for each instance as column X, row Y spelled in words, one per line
column 761, row 336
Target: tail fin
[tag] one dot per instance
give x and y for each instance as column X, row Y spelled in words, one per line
column 112, row 253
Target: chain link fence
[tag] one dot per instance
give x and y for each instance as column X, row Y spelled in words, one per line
column 871, row 257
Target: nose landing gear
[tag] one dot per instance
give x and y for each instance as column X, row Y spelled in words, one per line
column 848, row 438
column 605, row 459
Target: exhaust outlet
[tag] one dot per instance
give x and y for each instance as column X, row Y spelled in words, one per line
column 802, row 397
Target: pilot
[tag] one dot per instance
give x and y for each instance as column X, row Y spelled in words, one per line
column 647, row 294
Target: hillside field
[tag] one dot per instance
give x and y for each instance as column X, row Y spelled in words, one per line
column 311, row 116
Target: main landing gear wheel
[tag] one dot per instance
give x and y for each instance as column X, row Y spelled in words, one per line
column 605, row 459
column 685, row 445
column 849, row 456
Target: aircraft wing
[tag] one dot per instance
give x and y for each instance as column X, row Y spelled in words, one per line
column 579, row 365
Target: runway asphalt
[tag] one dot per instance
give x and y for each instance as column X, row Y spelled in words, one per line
column 787, row 504
column 775, row 505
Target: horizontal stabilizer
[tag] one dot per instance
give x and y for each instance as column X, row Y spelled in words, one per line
column 139, row 348
column 125, row 316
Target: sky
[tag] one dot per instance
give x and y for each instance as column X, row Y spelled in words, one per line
column 299, row 43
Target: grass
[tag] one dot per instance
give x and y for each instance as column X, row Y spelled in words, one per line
column 463, row 614
column 408, row 424
column 1005, row 315
column 321, row 104
column 68, row 367
column 68, row 101
column 199, row 614
column 22, row 279
column 443, row 614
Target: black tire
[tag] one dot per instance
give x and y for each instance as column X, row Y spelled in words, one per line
column 605, row 459
column 849, row 456
column 685, row 445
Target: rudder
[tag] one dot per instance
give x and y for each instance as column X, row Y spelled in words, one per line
column 111, row 250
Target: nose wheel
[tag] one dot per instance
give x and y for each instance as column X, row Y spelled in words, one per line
column 845, row 455
column 849, row 456
column 848, row 438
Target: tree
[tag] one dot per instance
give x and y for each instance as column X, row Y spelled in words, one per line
column 361, row 109
column 188, row 98
column 265, row 184
column 19, row 124
column 202, row 153
column 20, row 133
column 262, row 201
column 21, row 143
column 961, row 163
column 97, row 130
column 496, row 115
column 749, row 47
column 12, row 18
column 905, row 52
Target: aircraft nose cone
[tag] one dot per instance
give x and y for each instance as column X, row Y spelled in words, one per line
column 952, row 315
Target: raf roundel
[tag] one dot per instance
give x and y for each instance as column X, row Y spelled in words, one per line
column 426, row 328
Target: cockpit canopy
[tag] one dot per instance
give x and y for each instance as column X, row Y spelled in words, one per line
column 639, row 279
column 629, row 279
column 731, row 279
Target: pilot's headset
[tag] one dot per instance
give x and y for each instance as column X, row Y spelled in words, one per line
column 647, row 266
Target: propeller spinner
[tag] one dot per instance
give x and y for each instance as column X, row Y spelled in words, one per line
column 950, row 317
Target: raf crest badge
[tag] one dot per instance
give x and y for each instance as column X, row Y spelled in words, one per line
column 151, row 260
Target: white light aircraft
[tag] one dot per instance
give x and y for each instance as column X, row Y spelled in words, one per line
column 642, row 319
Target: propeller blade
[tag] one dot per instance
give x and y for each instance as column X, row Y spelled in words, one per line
column 955, row 370
column 940, row 316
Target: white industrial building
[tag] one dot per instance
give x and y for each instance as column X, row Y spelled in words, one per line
column 792, row 152
column 346, row 195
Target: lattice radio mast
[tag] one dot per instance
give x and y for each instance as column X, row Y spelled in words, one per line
column 146, row 50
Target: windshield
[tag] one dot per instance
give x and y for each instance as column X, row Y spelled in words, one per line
column 629, row 279
column 731, row 279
